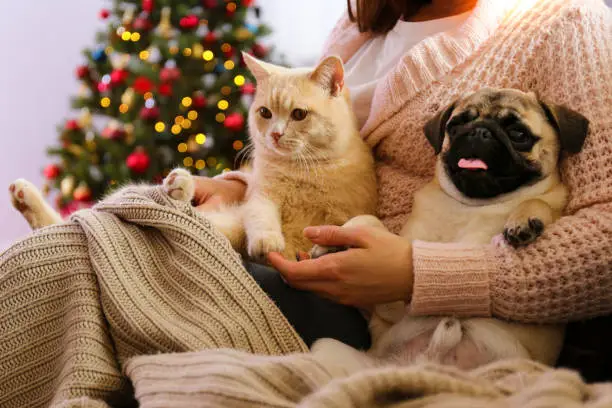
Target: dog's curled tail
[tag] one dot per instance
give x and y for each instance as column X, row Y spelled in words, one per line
column 446, row 336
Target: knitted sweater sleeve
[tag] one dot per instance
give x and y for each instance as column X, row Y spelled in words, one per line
column 567, row 273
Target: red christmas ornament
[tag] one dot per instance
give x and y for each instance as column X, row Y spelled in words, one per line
column 52, row 171
column 165, row 89
column 199, row 101
column 103, row 87
column 234, row 122
column 142, row 24
column 169, row 74
column 104, row 13
column 259, row 50
column 230, row 13
column 210, row 37
column 113, row 133
column 209, row 3
column 247, row 3
column 118, row 76
column 147, row 5
column 229, row 53
column 142, row 85
column 138, row 161
column 248, row 88
column 82, row 193
column 189, row 22
column 82, row 71
column 72, row 125
column 66, row 210
column 149, row 113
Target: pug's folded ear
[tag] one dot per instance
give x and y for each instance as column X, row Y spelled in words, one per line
column 571, row 126
column 435, row 128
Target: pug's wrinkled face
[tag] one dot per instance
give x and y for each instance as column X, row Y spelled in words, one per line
column 495, row 141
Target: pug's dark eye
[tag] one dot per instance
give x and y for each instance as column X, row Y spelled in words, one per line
column 265, row 112
column 518, row 136
column 299, row 114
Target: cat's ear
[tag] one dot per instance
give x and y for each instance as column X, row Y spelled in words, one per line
column 330, row 75
column 260, row 69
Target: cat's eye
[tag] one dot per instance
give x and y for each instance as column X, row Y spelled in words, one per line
column 299, row 114
column 265, row 112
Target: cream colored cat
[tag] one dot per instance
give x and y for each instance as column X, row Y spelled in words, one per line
column 310, row 165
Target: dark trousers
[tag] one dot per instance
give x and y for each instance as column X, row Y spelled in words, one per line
column 313, row 317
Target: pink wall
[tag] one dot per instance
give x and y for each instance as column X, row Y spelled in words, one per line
column 41, row 43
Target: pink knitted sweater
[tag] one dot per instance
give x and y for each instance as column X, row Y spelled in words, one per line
column 562, row 50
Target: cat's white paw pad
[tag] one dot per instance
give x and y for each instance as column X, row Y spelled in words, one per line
column 264, row 242
column 179, row 184
column 24, row 196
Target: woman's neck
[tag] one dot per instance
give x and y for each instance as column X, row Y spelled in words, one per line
column 442, row 8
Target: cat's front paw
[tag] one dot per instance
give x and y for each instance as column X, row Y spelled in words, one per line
column 524, row 232
column 263, row 242
column 180, row 185
column 26, row 199
column 25, row 196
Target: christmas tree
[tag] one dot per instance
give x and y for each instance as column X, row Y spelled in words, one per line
column 165, row 86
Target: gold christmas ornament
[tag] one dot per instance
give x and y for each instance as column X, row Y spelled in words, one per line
column 129, row 133
column 165, row 29
column 192, row 145
column 75, row 149
column 243, row 34
column 128, row 16
column 198, row 50
column 67, row 186
column 84, row 91
column 120, row 60
column 128, row 97
column 85, row 119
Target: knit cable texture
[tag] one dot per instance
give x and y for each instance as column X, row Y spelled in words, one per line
column 138, row 274
column 232, row 379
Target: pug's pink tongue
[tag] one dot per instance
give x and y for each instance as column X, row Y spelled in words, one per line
column 473, row 164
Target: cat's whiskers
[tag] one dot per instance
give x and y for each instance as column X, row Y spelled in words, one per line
column 307, row 154
column 244, row 154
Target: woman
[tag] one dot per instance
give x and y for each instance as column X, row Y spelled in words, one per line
column 405, row 60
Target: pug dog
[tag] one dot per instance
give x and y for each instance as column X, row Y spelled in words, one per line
column 496, row 175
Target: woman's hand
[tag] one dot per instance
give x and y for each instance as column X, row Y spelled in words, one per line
column 377, row 269
column 210, row 193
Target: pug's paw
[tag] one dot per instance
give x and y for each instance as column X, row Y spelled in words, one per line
column 523, row 233
column 318, row 251
column 262, row 243
column 180, row 185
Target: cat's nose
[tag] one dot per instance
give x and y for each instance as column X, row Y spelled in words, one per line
column 276, row 136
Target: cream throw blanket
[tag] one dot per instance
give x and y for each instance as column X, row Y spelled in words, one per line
column 84, row 303
column 138, row 274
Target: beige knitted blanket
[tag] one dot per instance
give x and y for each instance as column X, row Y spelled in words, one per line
column 88, row 302
column 233, row 379
column 139, row 274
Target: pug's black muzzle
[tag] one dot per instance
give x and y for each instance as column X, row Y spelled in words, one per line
column 486, row 140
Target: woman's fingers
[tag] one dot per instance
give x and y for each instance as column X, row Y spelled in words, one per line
column 321, row 269
column 331, row 235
